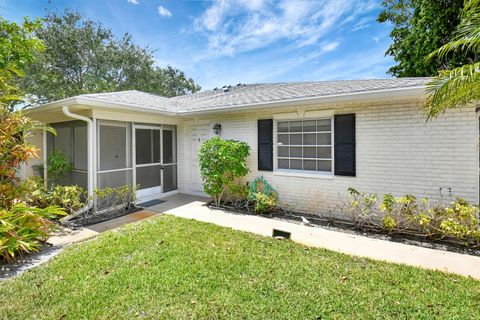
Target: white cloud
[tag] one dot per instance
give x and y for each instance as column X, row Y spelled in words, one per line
column 357, row 65
column 233, row 27
column 362, row 23
column 164, row 12
column 212, row 16
column 133, row 1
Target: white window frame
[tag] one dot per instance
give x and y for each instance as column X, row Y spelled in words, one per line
column 306, row 173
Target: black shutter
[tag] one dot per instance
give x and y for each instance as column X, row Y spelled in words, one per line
column 344, row 138
column 265, row 145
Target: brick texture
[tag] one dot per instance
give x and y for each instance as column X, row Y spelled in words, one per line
column 398, row 152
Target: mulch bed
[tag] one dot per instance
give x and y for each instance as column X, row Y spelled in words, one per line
column 347, row 226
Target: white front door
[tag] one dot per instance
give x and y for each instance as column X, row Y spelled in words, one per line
column 199, row 135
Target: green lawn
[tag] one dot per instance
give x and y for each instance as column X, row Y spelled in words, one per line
column 171, row 268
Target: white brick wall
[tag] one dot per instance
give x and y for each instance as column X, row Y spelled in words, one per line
column 36, row 139
column 397, row 152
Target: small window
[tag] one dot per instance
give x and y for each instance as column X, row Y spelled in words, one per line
column 304, row 145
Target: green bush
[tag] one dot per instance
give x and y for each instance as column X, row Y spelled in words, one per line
column 114, row 197
column 23, row 229
column 263, row 196
column 70, row 198
column 263, row 202
column 58, row 166
column 222, row 165
column 459, row 220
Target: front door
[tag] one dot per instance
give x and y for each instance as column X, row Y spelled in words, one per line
column 200, row 134
column 148, row 160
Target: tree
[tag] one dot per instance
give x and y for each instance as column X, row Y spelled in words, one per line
column 458, row 86
column 419, row 27
column 17, row 48
column 82, row 56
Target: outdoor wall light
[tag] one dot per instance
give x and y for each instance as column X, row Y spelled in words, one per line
column 217, row 128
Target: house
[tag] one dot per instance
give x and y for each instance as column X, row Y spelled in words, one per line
column 310, row 140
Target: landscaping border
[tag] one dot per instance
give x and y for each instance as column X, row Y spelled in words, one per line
column 345, row 225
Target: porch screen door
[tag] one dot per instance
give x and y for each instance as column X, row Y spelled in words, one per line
column 148, row 160
column 169, row 159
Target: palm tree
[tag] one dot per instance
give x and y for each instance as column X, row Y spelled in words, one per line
column 459, row 86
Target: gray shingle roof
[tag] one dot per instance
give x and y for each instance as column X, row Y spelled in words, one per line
column 251, row 94
column 135, row 98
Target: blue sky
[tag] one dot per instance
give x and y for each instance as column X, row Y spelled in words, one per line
column 249, row 41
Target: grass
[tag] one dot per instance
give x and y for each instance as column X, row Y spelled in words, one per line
column 172, row 268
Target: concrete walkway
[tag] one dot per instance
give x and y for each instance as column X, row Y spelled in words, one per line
column 194, row 208
column 68, row 236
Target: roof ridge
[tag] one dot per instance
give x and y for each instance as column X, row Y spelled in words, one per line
column 124, row 91
column 108, row 93
column 261, row 85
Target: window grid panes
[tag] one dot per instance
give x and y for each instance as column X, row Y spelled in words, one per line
column 305, row 145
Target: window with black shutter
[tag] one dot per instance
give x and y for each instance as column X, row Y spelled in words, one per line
column 265, row 145
column 344, row 139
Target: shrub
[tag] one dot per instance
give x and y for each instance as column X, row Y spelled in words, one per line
column 222, row 165
column 121, row 196
column 70, row 198
column 15, row 129
column 23, row 229
column 458, row 220
column 58, row 166
column 109, row 203
column 263, row 195
column 263, row 202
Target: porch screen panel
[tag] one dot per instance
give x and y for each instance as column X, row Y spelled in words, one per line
column 80, row 149
column 168, row 152
column 113, row 147
column 148, row 177
column 143, row 145
column 71, row 140
column 114, row 155
column 169, row 159
column 170, row 178
column 114, row 179
column 62, row 140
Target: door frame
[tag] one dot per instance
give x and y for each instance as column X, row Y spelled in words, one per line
column 148, row 192
column 195, row 190
column 153, row 192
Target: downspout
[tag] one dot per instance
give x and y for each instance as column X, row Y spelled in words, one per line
column 45, row 158
column 90, row 128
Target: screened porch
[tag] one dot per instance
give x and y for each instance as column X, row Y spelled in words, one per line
column 124, row 153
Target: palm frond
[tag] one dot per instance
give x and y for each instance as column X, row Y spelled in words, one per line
column 453, row 89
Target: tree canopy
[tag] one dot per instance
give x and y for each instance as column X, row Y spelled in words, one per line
column 17, row 48
column 419, row 27
column 83, row 56
column 459, row 86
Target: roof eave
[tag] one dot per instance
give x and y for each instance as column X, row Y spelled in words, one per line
column 79, row 100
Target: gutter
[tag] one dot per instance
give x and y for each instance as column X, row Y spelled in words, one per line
column 91, row 102
column 91, row 169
